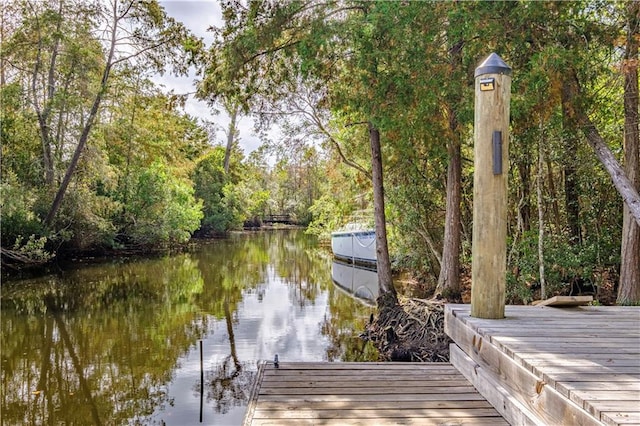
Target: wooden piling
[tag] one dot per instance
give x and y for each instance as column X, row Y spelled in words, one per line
column 491, row 167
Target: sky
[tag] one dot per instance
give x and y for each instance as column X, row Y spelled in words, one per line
column 197, row 16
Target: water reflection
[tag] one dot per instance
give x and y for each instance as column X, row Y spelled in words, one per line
column 118, row 343
column 358, row 281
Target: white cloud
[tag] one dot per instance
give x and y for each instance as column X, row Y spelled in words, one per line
column 197, row 15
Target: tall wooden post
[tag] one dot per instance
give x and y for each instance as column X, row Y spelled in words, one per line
column 491, row 167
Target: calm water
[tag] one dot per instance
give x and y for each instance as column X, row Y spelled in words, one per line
column 119, row 343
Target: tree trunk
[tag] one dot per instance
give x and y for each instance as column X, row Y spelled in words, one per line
column 553, row 196
column 449, row 278
column 524, row 207
column 580, row 119
column 231, row 133
column 570, row 173
column 57, row 201
column 386, row 289
column 43, row 113
column 3, row 36
column 571, row 193
column 629, row 289
column 539, row 186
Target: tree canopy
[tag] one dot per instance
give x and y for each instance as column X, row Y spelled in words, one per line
column 94, row 155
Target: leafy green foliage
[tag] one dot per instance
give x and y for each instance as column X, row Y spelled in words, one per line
column 17, row 211
column 214, row 187
column 163, row 209
column 569, row 269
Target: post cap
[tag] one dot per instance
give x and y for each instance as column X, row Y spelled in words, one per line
column 492, row 65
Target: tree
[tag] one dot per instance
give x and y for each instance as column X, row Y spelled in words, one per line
column 164, row 208
column 217, row 190
column 155, row 39
column 404, row 69
column 620, row 180
column 144, row 129
column 629, row 289
column 61, row 81
column 53, row 67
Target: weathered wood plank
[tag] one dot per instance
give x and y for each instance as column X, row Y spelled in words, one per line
column 253, row 397
column 361, row 373
column 475, row 396
column 439, row 421
column 382, row 404
column 565, row 387
column 533, row 332
column 556, row 378
column 621, row 418
column 548, row 315
column 498, row 370
column 597, row 401
column 552, row 370
column 353, row 366
column 500, row 397
column 544, row 338
column 373, row 377
column 600, row 407
column 379, row 389
column 319, row 384
column 372, row 412
column 594, row 360
column 565, row 301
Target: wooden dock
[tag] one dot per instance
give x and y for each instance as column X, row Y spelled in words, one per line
column 540, row 365
column 366, row 394
column 556, row 366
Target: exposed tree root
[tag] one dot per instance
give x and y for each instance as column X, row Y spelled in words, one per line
column 412, row 330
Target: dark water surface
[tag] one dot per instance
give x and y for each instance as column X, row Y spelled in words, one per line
column 119, row 343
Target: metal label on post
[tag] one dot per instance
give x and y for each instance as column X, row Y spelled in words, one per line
column 497, row 152
column 487, row 84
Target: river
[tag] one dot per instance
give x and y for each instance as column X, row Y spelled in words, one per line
column 118, row 342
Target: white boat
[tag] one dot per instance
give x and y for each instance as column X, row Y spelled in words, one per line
column 358, row 282
column 355, row 244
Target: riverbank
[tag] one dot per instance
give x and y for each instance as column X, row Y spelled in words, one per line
column 413, row 330
column 19, row 264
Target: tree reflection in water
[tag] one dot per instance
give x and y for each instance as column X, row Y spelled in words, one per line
column 116, row 343
column 229, row 383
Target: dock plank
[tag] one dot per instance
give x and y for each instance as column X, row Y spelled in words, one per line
column 372, row 412
column 366, row 394
column 438, row 421
column 621, row 418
